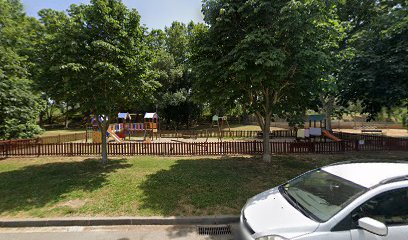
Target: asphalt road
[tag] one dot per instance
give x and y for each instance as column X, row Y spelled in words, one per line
column 163, row 232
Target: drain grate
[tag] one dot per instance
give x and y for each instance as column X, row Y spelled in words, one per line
column 214, row 230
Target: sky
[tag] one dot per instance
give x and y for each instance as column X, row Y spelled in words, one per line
column 155, row 14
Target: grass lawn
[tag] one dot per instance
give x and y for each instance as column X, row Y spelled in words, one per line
column 147, row 186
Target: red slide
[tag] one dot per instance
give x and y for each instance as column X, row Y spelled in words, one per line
column 330, row 136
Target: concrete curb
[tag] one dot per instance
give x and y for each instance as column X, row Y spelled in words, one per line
column 64, row 222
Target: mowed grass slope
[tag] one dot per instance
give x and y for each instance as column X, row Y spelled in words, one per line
column 147, row 186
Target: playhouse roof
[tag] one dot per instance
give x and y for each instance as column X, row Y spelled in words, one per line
column 151, row 115
column 316, row 118
column 94, row 121
column 124, row 116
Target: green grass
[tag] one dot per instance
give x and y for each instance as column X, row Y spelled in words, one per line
column 147, row 186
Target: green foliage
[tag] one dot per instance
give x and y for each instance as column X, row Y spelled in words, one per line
column 19, row 107
column 265, row 55
column 96, row 57
column 378, row 70
column 19, row 103
column 172, row 70
column 270, row 53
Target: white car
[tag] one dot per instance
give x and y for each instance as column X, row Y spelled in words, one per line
column 343, row 201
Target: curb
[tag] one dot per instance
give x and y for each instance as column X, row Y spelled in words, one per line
column 65, row 222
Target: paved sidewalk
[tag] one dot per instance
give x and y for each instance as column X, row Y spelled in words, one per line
column 140, row 232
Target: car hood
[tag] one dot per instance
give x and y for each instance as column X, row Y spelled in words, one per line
column 270, row 213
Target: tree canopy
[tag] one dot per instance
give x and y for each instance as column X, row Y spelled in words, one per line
column 173, row 70
column 265, row 55
column 99, row 58
column 377, row 72
column 19, row 102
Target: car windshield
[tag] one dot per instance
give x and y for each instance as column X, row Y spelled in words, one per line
column 321, row 194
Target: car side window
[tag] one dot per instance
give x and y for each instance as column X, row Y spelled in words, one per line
column 390, row 208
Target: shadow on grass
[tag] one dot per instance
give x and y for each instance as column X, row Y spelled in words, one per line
column 35, row 186
column 214, row 186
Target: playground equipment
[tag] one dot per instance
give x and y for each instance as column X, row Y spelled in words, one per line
column 147, row 123
column 151, row 124
column 219, row 123
column 330, row 136
column 97, row 135
column 121, row 129
column 317, row 128
column 116, row 137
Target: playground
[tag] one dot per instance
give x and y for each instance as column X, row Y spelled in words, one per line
column 141, row 134
column 145, row 128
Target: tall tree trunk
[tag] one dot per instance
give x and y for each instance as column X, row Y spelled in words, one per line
column 245, row 117
column 328, row 106
column 104, row 128
column 266, row 144
column 41, row 119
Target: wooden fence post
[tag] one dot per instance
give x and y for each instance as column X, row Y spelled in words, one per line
column 7, row 148
column 71, row 149
column 356, row 143
column 38, row 149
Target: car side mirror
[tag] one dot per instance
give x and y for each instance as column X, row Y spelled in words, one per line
column 373, row 226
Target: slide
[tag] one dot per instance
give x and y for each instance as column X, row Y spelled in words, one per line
column 113, row 134
column 330, row 136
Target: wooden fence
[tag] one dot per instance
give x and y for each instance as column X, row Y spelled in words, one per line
column 208, row 134
column 196, row 148
column 225, row 134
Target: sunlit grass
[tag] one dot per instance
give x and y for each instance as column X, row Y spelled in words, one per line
column 147, row 186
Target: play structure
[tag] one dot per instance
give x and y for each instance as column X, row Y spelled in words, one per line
column 128, row 125
column 219, row 122
column 316, row 128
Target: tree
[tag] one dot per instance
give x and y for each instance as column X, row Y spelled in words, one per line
column 53, row 51
column 19, row 106
column 19, row 103
column 377, row 73
column 172, row 69
column 265, row 55
column 105, row 66
column 347, row 19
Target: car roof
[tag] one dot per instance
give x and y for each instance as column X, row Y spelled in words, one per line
column 368, row 174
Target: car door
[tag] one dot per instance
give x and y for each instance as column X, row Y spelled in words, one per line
column 390, row 208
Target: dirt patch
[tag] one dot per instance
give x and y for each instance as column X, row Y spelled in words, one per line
column 385, row 132
column 74, row 204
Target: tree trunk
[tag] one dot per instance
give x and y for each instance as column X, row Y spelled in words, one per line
column 266, row 144
column 104, row 128
column 328, row 121
column 328, row 106
column 329, row 111
column 245, row 117
column 41, row 119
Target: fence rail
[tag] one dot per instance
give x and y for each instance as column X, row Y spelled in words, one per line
column 196, row 148
column 225, row 134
